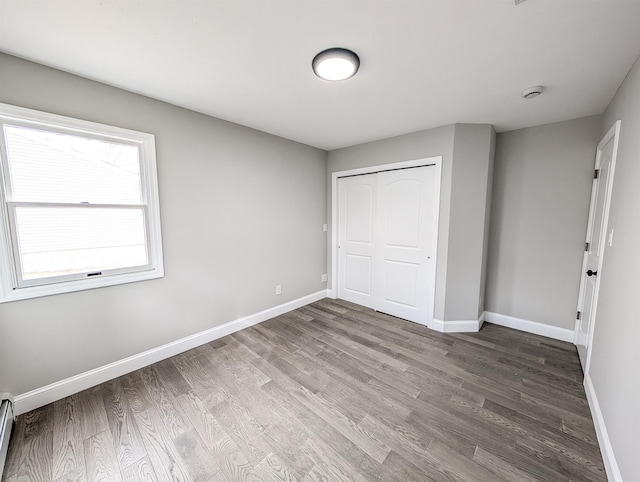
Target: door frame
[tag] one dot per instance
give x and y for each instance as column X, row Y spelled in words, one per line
column 436, row 161
column 614, row 132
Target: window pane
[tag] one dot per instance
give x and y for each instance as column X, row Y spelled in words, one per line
column 57, row 241
column 51, row 167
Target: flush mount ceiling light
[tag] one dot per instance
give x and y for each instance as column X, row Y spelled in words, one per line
column 336, row 64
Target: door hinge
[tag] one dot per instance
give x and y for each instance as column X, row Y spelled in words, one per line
column 586, row 246
column 596, row 174
column 579, row 315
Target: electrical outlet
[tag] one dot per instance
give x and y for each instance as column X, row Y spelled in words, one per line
column 324, row 228
column 278, row 289
column 324, row 278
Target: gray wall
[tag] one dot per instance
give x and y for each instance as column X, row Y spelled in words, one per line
column 615, row 358
column 541, row 192
column 487, row 225
column 473, row 153
column 241, row 211
column 466, row 151
column 417, row 145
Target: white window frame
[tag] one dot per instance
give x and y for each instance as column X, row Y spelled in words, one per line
column 12, row 287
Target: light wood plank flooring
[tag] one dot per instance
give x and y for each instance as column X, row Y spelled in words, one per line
column 331, row 391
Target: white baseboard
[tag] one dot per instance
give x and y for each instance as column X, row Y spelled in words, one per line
column 332, row 294
column 609, row 458
column 562, row 334
column 55, row 391
column 458, row 326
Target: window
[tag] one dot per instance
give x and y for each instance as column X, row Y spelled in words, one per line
column 79, row 205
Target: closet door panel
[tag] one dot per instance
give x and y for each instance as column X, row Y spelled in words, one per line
column 406, row 214
column 357, row 219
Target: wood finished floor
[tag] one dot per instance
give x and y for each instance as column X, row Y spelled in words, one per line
column 331, row 391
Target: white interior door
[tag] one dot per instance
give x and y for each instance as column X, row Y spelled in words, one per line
column 387, row 231
column 356, row 224
column 405, row 255
column 595, row 243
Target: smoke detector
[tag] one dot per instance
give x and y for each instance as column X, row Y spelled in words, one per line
column 531, row 92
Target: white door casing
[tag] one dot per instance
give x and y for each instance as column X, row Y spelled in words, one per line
column 597, row 227
column 387, row 236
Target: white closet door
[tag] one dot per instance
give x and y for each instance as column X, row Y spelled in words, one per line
column 356, row 232
column 387, row 231
column 405, row 243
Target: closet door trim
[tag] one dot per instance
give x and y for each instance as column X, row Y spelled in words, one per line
column 436, row 161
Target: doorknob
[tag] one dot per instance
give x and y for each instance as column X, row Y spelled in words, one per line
column 592, row 273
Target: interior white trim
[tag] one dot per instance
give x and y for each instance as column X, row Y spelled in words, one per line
column 608, row 456
column 535, row 327
column 332, row 286
column 613, row 132
column 11, row 287
column 55, row 391
column 456, row 326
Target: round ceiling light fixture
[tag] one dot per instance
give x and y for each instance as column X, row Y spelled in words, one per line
column 532, row 92
column 336, row 64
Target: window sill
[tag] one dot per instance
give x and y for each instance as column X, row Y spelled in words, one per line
column 79, row 285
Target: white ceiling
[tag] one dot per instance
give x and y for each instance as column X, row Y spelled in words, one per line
column 424, row 63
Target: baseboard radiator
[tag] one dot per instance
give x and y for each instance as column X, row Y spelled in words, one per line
column 6, row 425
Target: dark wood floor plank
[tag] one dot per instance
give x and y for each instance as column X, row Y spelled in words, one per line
column 501, row 468
column 357, row 459
column 412, row 450
column 286, row 326
column 329, row 463
column 202, row 420
column 141, row 471
column 543, row 432
column 38, row 421
column 172, row 378
column 556, row 396
column 199, row 372
column 163, row 401
column 329, row 391
column 272, row 469
column 195, row 457
column 365, row 441
column 403, row 470
column 126, row 437
column 92, row 414
column 136, row 392
column 163, row 455
column 100, row 458
column 233, row 463
column 234, row 364
column 35, row 462
column 256, row 344
column 77, row 475
column 245, row 431
column 460, row 467
column 563, row 462
column 281, row 435
column 68, row 453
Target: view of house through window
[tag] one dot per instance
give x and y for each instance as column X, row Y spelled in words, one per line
column 49, row 173
column 77, row 203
